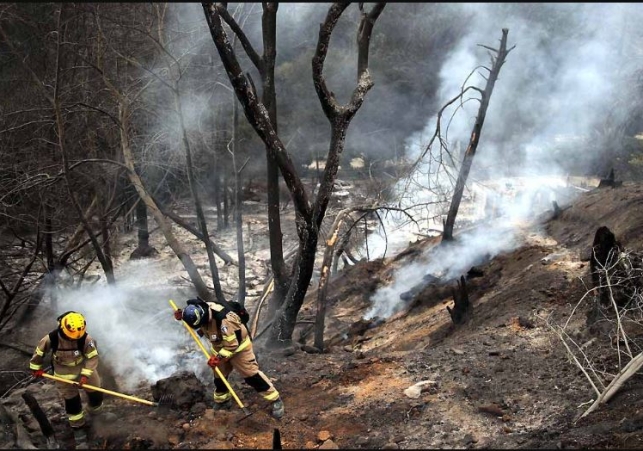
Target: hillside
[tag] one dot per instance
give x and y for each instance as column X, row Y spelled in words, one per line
column 502, row 380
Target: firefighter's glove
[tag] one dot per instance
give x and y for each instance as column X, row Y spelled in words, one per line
column 83, row 380
column 178, row 314
column 214, row 361
column 38, row 373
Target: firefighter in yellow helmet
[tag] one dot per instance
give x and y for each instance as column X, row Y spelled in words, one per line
column 75, row 358
column 231, row 348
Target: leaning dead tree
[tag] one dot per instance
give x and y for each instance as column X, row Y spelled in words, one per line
column 308, row 215
column 496, row 64
column 325, row 274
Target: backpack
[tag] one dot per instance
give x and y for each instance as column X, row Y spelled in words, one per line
column 232, row 306
column 54, row 338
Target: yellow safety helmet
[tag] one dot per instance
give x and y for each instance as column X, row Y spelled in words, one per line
column 73, row 325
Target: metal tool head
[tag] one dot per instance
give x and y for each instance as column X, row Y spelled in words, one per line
column 246, row 414
column 165, row 400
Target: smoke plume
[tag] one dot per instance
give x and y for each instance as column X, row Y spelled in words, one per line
column 556, row 87
column 137, row 336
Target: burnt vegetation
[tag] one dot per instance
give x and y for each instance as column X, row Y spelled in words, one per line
column 338, row 169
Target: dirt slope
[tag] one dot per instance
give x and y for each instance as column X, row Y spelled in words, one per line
column 503, row 380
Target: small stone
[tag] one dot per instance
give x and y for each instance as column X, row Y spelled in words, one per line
column 186, row 426
column 348, row 348
column 391, row 445
column 310, row 445
column 173, row 440
column 457, row 351
column 303, row 417
column 328, row 444
column 152, row 414
column 362, row 441
column 322, row 436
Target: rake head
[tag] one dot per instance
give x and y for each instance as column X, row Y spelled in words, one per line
column 165, row 400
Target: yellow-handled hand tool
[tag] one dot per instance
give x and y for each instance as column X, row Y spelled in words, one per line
column 104, row 390
column 246, row 412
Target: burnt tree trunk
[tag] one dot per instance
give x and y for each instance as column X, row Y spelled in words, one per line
column 143, row 249
column 238, row 205
column 605, row 251
column 307, row 217
column 324, row 277
column 467, row 161
column 462, row 308
column 41, row 418
column 197, row 201
column 178, row 220
column 175, row 245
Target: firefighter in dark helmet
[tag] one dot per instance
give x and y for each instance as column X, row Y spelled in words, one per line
column 231, row 349
column 75, row 358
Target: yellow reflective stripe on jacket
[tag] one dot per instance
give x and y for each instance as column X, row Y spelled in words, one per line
column 69, row 377
column 86, row 372
column 76, row 362
column 77, row 417
column 229, row 337
column 244, row 344
column 271, row 396
column 33, row 366
column 225, row 353
column 94, row 353
column 39, row 352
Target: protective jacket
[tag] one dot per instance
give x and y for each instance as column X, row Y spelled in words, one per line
column 228, row 339
column 69, row 362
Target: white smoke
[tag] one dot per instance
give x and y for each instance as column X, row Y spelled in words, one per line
column 445, row 262
column 132, row 322
column 556, row 85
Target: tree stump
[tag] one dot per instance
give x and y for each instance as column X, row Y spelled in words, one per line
column 462, row 308
column 610, row 181
column 605, row 250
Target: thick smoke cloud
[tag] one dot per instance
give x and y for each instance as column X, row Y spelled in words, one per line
column 557, row 86
column 133, row 325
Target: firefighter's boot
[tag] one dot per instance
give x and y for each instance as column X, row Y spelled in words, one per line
column 278, row 408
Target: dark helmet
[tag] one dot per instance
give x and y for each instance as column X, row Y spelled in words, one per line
column 194, row 315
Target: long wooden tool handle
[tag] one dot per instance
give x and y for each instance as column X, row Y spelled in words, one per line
column 207, row 356
column 104, row 390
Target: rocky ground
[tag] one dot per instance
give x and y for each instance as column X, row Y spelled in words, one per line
column 502, row 380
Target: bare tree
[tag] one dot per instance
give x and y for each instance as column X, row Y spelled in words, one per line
column 496, row 64
column 308, row 215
